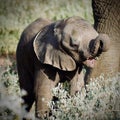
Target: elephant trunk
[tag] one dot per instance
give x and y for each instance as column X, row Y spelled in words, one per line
column 99, row 45
column 104, row 42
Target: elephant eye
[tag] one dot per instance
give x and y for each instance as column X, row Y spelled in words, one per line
column 74, row 43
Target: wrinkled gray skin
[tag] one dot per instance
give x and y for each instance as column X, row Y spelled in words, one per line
column 49, row 53
column 107, row 20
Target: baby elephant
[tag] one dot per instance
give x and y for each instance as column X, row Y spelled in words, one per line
column 52, row 52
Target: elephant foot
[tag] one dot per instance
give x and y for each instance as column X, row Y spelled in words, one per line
column 42, row 115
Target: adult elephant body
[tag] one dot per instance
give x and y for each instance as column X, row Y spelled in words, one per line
column 49, row 53
column 107, row 20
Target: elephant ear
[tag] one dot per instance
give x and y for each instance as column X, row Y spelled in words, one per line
column 47, row 49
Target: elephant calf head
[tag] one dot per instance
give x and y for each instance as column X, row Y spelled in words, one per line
column 64, row 43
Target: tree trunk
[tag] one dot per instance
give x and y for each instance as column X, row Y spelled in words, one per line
column 107, row 20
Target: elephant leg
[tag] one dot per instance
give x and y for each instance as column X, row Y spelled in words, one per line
column 28, row 100
column 77, row 83
column 44, row 84
column 26, row 83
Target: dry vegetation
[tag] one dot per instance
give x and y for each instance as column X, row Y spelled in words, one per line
column 100, row 102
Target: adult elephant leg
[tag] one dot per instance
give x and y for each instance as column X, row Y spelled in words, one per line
column 45, row 81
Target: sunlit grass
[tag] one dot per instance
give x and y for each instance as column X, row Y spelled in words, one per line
column 15, row 15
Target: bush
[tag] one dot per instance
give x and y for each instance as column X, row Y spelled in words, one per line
column 9, row 95
column 100, row 102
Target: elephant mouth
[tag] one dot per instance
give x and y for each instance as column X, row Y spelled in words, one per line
column 90, row 62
